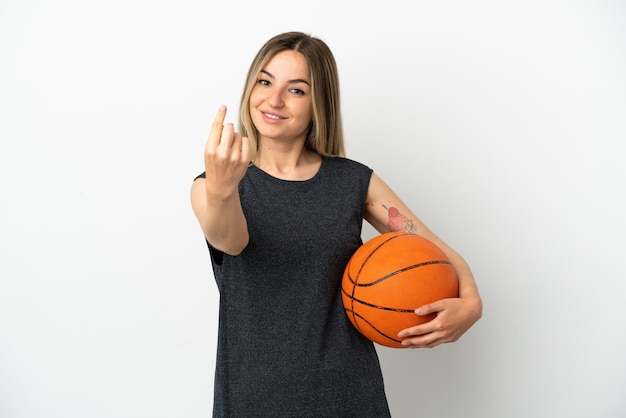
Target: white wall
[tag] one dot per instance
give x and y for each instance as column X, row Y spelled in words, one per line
column 500, row 123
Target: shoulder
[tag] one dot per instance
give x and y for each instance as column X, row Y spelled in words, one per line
column 347, row 164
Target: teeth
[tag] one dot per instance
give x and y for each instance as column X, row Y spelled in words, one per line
column 272, row 116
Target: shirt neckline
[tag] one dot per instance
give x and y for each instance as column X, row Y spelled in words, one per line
column 277, row 179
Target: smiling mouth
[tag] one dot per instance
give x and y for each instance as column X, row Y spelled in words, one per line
column 272, row 116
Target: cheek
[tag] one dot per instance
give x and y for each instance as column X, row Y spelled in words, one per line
column 308, row 115
column 254, row 98
column 259, row 94
column 254, row 102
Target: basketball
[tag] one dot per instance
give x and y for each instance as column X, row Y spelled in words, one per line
column 390, row 276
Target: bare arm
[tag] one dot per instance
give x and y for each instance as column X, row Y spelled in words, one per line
column 215, row 199
column 386, row 212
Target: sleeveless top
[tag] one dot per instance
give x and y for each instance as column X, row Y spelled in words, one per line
column 285, row 345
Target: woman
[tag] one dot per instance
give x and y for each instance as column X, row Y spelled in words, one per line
column 280, row 232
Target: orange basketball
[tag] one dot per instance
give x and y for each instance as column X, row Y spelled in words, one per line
column 390, row 276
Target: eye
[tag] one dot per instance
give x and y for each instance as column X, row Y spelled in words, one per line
column 263, row 82
column 297, row 91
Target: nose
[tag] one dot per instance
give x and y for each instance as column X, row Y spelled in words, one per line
column 276, row 99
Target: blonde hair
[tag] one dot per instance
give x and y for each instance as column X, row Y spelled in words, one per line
column 325, row 135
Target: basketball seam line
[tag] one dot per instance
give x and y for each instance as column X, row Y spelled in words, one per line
column 373, row 327
column 371, row 305
column 402, row 270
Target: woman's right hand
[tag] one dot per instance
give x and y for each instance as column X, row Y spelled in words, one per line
column 215, row 199
column 226, row 157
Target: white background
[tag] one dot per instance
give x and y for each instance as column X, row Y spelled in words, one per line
column 501, row 124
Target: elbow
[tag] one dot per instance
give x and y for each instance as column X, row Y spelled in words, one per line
column 232, row 246
column 477, row 308
column 234, row 251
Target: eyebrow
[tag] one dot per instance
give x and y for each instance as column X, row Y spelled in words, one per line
column 297, row 80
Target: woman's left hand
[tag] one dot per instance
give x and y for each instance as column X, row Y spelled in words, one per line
column 453, row 318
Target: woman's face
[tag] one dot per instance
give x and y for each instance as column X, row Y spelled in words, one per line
column 280, row 101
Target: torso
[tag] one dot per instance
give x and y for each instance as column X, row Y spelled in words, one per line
column 286, row 347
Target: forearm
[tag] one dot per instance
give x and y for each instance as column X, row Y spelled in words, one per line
column 221, row 218
column 468, row 289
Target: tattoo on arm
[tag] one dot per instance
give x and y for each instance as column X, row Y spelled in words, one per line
column 399, row 222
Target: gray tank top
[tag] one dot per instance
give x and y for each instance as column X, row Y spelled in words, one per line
column 285, row 345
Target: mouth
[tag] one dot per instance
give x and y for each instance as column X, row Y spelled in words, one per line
column 272, row 116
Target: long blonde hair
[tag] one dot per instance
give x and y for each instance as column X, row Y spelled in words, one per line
column 325, row 135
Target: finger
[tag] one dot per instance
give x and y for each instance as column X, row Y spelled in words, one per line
column 422, row 336
column 423, row 328
column 422, row 342
column 235, row 148
column 416, row 331
column 431, row 308
column 215, row 134
column 227, row 140
column 240, row 149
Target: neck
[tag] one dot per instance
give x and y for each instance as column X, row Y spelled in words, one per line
column 288, row 164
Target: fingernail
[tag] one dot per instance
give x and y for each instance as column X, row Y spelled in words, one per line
column 419, row 311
